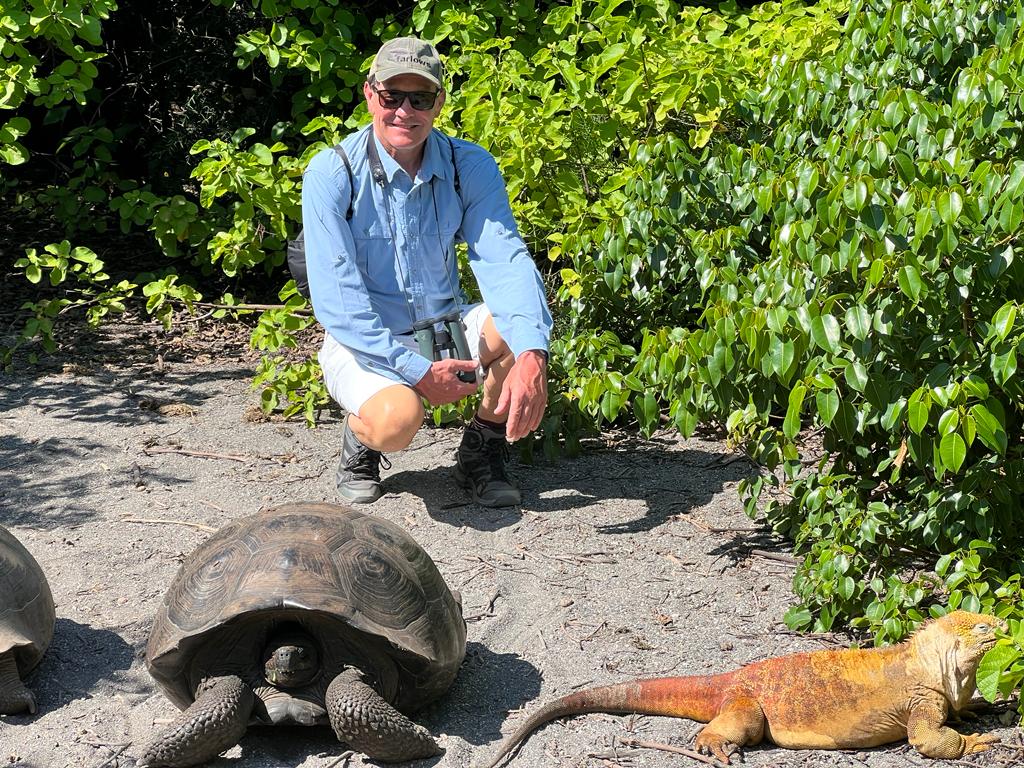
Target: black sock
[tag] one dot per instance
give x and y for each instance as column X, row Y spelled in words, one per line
column 494, row 426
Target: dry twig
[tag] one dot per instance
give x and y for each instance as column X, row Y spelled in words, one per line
column 114, row 755
column 670, row 748
column 198, row 454
column 160, row 521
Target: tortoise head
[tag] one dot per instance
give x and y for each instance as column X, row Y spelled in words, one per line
column 291, row 658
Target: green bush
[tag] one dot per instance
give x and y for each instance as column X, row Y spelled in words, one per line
column 843, row 269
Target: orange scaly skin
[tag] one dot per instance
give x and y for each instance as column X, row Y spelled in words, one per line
column 847, row 699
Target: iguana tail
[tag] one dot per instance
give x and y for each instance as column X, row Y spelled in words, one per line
column 695, row 698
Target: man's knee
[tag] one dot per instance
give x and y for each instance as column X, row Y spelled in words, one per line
column 493, row 348
column 389, row 420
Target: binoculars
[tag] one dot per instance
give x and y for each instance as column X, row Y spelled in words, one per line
column 450, row 337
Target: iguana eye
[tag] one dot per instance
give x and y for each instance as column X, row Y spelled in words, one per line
column 982, row 627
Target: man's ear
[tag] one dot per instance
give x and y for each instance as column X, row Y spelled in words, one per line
column 440, row 101
column 367, row 90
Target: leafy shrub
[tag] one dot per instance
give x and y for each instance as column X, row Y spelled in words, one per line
column 844, row 269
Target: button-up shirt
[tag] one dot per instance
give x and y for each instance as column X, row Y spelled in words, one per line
column 394, row 262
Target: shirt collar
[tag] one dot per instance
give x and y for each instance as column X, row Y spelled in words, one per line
column 435, row 162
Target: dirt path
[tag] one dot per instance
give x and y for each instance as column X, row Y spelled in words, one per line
column 634, row 560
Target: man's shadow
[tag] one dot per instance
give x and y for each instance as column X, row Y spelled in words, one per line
column 669, row 480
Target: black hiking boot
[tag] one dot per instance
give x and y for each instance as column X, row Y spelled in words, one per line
column 358, row 475
column 480, row 467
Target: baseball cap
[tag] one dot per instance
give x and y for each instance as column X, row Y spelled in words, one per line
column 408, row 56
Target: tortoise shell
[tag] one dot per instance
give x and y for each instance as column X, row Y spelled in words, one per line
column 360, row 585
column 26, row 604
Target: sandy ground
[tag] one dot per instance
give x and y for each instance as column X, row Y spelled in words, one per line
column 633, row 560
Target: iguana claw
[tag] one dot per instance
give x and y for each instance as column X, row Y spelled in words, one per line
column 720, row 749
column 977, row 742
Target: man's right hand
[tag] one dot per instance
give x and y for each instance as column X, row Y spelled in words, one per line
column 441, row 386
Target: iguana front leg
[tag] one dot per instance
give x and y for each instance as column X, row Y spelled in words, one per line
column 365, row 721
column 14, row 696
column 214, row 723
column 927, row 733
column 739, row 723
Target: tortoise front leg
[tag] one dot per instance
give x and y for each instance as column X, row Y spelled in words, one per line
column 366, row 722
column 214, row 723
column 14, row 696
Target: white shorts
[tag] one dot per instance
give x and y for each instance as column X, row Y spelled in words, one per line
column 351, row 383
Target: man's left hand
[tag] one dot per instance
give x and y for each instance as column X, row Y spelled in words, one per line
column 524, row 397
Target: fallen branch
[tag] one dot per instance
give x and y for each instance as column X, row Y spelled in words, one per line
column 197, row 454
column 670, row 748
column 787, row 559
column 489, row 610
column 159, row 521
column 343, row 759
column 211, row 505
column 114, row 755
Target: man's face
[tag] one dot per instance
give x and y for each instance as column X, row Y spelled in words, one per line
column 404, row 127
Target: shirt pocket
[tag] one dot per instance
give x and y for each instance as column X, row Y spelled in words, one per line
column 449, row 222
column 375, row 257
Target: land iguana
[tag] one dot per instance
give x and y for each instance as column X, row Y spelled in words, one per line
column 828, row 699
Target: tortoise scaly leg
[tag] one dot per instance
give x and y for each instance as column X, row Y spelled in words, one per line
column 366, row 722
column 214, row 723
column 14, row 696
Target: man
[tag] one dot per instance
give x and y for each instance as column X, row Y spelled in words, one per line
column 379, row 239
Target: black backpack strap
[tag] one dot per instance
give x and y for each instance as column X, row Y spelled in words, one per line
column 351, row 179
column 296, row 247
column 458, row 184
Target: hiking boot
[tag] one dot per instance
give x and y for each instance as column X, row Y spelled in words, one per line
column 358, row 475
column 480, row 467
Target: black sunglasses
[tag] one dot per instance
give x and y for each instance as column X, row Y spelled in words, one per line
column 391, row 99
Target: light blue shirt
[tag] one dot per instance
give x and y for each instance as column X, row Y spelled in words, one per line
column 395, row 260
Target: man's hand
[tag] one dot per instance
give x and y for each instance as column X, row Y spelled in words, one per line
column 441, row 386
column 525, row 395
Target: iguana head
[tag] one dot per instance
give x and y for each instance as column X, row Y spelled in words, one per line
column 953, row 646
column 975, row 633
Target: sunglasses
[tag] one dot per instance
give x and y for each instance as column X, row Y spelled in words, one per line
column 421, row 100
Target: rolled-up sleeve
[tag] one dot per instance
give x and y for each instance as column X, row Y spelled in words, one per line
column 337, row 287
column 509, row 280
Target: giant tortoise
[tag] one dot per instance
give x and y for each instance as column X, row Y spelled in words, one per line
column 26, row 622
column 304, row 614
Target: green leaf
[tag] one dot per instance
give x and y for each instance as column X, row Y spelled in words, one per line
column 606, row 59
column 949, row 205
column 990, row 670
column 948, row 422
column 990, row 429
column 782, row 356
column 797, row 617
column 263, row 154
column 953, row 451
column 910, row 281
column 646, row 410
column 858, row 321
column 828, row 403
column 1003, row 366
column 857, row 375
column 825, row 332
column 917, row 410
column 1002, row 322
column 846, row 587
column 791, row 424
